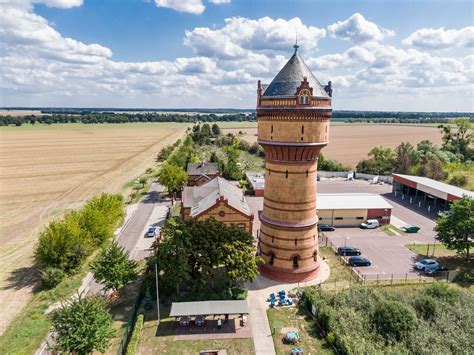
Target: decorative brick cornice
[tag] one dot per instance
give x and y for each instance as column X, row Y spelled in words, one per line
column 295, row 114
column 291, row 152
column 285, row 224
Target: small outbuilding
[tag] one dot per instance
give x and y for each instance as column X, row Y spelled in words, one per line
column 200, row 173
column 257, row 182
column 351, row 209
column 208, row 308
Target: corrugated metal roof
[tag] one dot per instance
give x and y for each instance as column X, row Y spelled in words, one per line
column 203, row 308
column 437, row 185
column 290, row 77
column 348, row 201
column 201, row 198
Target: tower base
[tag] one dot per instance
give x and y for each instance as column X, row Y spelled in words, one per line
column 289, row 275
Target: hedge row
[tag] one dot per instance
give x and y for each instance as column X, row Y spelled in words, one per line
column 132, row 346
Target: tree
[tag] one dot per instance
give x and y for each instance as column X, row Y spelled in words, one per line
column 458, row 139
column 63, row 244
column 143, row 180
column 381, row 162
column 113, row 268
column 459, row 180
column 456, row 228
column 82, row 326
column 195, row 251
column 172, row 177
column 405, row 158
column 216, row 130
column 231, row 169
column 331, row 165
column 431, row 168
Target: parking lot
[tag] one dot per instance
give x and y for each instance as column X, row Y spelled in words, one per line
column 388, row 254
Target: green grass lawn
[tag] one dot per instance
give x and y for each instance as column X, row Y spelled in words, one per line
column 162, row 341
column 283, row 320
column 341, row 275
column 392, row 230
column 29, row 328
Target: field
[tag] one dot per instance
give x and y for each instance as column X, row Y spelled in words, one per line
column 45, row 170
column 350, row 143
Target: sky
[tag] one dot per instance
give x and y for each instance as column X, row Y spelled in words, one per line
column 397, row 55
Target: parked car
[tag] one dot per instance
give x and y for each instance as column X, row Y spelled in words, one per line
column 370, row 224
column 348, row 251
column 433, row 270
column 359, row 261
column 424, row 263
column 326, row 228
column 151, row 232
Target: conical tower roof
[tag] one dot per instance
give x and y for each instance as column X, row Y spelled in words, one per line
column 290, row 77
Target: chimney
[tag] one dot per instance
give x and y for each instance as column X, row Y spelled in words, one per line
column 259, row 92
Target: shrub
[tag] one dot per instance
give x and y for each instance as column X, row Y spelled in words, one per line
column 443, row 292
column 132, row 346
column 426, row 307
column 459, row 180
column 394, row 320
column 51, row 277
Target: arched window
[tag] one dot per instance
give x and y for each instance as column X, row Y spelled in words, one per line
column 296, row 261
column 272, row 259
column 304, row 97
column 315, row 256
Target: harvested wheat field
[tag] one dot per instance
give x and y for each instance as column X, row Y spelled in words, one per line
column 350, row 143
column 45, row 170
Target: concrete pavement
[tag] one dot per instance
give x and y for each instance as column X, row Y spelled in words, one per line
column 258, row 292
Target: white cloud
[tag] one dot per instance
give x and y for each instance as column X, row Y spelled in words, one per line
column 430, row 38
column 241, row 35
column 190, row 6
column 218, row 2
column 357, row 29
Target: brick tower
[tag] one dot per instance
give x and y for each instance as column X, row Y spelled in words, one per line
column 293, row 125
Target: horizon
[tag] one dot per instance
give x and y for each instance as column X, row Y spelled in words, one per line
column 381, row 56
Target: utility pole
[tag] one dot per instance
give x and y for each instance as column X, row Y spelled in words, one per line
column 157, row 293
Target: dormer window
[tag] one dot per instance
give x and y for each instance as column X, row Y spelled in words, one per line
column 303, row 98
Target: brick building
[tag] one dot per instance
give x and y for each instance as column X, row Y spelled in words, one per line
column 293, row 115
column 220, row 199
column 200, row 173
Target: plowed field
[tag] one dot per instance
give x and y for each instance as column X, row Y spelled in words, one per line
column 45, row 170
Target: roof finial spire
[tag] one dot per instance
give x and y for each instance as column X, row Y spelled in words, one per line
column 295, row 46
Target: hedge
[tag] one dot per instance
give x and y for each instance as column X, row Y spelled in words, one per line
column 132, row 346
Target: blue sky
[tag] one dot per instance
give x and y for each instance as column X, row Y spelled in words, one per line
column 380, row 55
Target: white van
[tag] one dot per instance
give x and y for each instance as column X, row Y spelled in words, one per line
column 370, row 224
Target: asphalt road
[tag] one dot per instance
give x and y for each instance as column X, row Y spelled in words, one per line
column 128, row 237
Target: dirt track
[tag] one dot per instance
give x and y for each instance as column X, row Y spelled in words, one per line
column 47, row 170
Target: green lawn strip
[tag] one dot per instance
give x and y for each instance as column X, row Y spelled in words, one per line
column 29, row 328
column 340, row 273
column 163, row 341
column 439, row 250
column 390, row 229
column 287, row 319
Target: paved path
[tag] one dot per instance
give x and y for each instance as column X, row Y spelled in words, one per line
column 259, row 290
column 150, row 210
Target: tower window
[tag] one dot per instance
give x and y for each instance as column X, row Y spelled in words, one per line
column 307, row 173
column 272, row 258
column 296, row 241
column 296, row 262
column 286, row 174
column 302, row 129
column 272, row 129
column 315, row 256
column 273, row 239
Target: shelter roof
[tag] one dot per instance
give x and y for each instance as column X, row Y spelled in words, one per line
column 204, row 308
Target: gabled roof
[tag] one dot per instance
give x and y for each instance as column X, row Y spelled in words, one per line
column 201, row 198
column 290, row 77
column 436, row 185
column 202, row 169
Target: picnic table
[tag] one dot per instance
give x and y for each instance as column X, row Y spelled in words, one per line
column 292, row 337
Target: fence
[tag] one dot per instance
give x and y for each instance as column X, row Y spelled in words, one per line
column 130, row 324
column 355, row 276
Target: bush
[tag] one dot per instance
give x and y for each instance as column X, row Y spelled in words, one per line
column 459, row 180
column 51, row 277
column 132, row 346
column 426, row 307
column 394, row 320
column 443, row 292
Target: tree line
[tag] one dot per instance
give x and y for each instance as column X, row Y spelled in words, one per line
column 88, row 117
column 426, row 159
